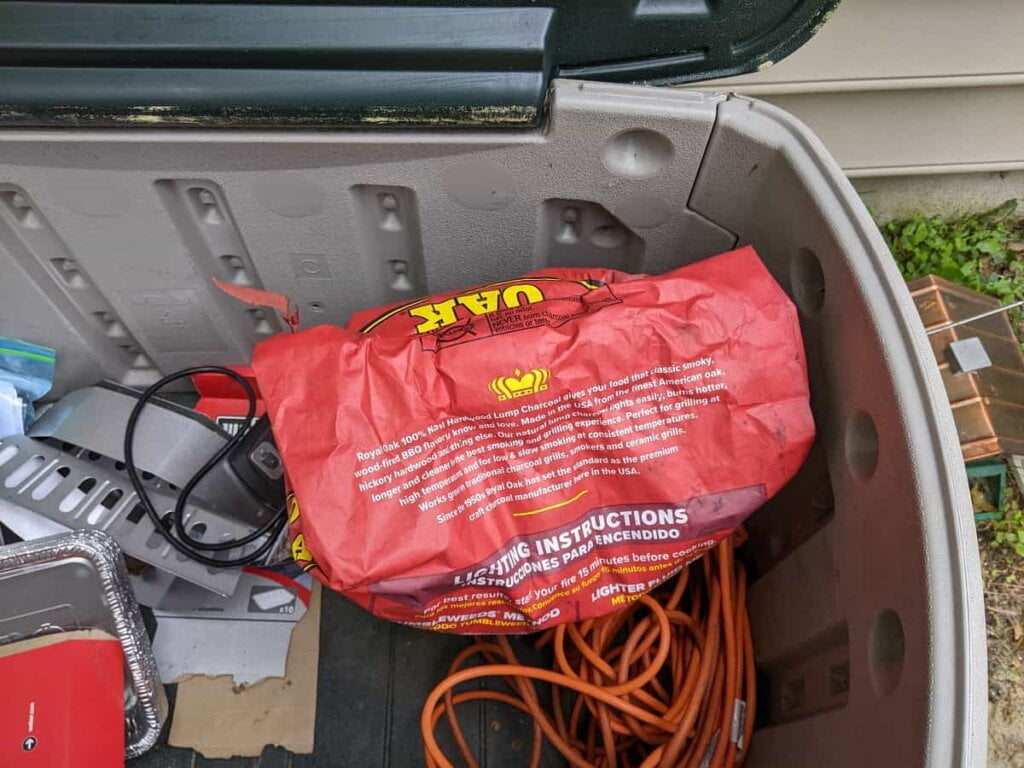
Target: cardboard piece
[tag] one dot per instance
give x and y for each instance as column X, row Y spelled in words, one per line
column 246, row 635
column 219, row 719
column 63, row 698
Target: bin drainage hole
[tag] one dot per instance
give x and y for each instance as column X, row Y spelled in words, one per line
column 638, row 154
column 807, row 281
column 886, row 652
column 861, row 446
column 316, row 306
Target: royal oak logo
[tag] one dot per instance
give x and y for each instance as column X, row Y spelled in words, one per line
column 520, row 384
column 441, row 314
column 452, row 320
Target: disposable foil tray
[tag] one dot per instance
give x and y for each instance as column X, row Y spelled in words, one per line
column 78, row 581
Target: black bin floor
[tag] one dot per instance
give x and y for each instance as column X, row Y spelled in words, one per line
column 373, row 678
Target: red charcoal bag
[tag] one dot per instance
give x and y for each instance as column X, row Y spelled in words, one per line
column 540, row 450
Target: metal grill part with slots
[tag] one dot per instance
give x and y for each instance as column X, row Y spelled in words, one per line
column 85, row 490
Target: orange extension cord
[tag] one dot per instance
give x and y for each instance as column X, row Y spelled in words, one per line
column 659, row 681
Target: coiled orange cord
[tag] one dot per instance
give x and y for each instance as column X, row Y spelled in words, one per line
column 657, row 684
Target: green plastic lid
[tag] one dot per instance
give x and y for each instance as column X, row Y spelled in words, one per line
column 476, row 63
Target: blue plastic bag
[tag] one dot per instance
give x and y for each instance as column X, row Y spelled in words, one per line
column 26, row 374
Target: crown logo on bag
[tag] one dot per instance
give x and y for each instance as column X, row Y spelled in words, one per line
column 520, row 384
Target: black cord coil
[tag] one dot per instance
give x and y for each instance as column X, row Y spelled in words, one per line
column 180, row 539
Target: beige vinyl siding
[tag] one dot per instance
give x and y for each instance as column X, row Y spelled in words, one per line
column 908, row 87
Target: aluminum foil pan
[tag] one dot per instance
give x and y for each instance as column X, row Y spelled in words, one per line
column 78, row 581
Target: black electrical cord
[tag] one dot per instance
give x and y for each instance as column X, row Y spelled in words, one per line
column 180, row 540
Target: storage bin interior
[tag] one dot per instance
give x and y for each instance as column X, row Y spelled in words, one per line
column 866, row 606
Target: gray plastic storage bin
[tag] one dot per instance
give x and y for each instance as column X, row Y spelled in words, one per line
column 866, row 609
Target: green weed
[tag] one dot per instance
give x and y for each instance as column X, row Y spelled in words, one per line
column 1008, row 533
column 982, row 251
